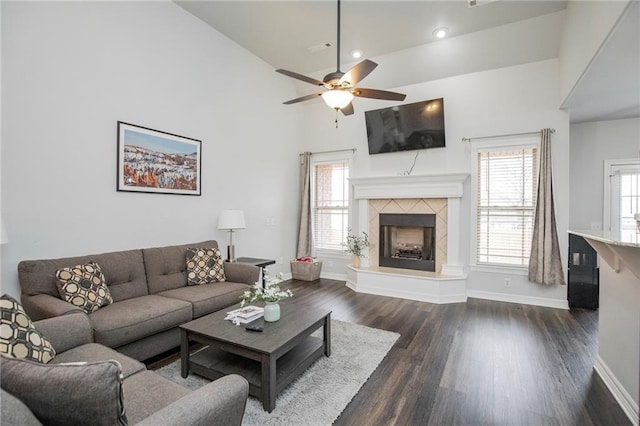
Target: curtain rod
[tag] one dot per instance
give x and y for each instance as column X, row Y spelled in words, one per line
column 328, row 152
column 500, row 136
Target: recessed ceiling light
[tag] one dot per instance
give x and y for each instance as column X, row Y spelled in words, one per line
column 441, row 32
column 357, row 53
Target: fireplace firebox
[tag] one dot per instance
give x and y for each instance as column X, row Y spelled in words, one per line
column 408, row 241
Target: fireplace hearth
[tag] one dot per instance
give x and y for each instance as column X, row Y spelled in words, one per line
column 408, row 241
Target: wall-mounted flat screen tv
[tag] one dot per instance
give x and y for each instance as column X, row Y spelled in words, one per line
column 406, row 127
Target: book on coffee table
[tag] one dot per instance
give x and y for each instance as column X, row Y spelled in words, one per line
column 245, row 315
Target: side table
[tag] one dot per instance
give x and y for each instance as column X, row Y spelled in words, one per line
column 260, row 263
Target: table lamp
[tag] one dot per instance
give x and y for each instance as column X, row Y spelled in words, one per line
column 231, row 220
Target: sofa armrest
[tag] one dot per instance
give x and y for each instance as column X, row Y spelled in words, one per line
column 66, row 331
column 221, row 402
column 41, row 306
column 241, row 273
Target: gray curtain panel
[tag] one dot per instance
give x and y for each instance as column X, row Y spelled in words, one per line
column 305, row 236
column 545, row 266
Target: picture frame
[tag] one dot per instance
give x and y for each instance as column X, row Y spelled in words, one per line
column 153, row 161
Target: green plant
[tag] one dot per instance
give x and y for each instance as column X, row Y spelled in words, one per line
column 356, row 245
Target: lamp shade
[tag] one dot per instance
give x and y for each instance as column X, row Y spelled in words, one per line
column 337, row 98
column 231, row 219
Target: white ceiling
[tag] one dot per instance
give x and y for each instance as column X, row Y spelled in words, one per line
column 610, row 87
column 281, row 33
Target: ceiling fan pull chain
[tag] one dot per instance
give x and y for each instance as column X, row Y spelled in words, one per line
column 336, row 118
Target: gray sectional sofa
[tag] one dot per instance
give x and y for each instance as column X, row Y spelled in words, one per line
column 110, row 388
column 150, row 294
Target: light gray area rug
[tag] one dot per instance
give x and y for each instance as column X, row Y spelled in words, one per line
column 321, row 393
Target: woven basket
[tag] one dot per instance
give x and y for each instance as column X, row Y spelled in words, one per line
column 306, row 271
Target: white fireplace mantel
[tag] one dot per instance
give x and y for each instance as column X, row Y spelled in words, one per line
column 449, row 286
column 420, row 186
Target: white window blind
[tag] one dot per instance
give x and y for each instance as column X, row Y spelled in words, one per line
column 330, row 204
column 506, row 201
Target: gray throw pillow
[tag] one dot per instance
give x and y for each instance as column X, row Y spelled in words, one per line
column 66, row 394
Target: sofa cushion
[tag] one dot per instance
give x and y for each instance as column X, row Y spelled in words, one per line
column 147, row 392
column 166, row 267
column 18, row 336
column 15, row 412
column 84, row 286
column 94, row 352
column 132, row 319
column 67, row 394
column 208, row 298
column 204, row 266
column 123, row 270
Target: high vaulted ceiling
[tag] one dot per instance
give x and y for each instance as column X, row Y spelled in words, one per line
column 293, row 35
column 283, row 32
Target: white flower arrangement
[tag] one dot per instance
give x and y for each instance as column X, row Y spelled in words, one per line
column 271, row 292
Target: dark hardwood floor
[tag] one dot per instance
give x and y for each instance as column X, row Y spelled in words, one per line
column 474, row 363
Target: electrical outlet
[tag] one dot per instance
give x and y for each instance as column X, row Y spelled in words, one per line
column 507, row 282
column 596, row 226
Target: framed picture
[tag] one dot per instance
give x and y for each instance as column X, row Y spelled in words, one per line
column 158, row 162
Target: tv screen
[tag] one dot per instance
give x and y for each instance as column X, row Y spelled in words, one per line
column 406, row 127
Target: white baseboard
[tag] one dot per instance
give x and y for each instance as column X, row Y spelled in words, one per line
column 333, row 276
column 518, row 298
column 628, row 405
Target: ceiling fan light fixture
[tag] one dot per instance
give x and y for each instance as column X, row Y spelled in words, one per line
column 441, row 32
column 337, row 98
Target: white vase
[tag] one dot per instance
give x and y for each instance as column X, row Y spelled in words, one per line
column 271, row 311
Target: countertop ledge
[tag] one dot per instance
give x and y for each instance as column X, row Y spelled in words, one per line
column 623, row 239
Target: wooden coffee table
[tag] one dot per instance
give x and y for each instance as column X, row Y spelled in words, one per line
column 269, row 360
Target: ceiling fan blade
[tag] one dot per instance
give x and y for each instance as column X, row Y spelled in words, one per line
column 300, row 77
column 358, row 72
column 378, row 94
column 348, row 110
column 302, row 99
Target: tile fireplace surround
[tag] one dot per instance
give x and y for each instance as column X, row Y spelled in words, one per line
column 438, row 194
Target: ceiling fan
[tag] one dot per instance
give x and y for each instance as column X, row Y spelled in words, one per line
column 341, row 86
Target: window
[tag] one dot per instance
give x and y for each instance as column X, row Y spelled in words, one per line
column 623, row 178
column 507, row 180
column 330, row 204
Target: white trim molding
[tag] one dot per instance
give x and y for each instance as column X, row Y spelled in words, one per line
column 413, row 285
column 420, row 186
column 626, row 402
column 518, row 298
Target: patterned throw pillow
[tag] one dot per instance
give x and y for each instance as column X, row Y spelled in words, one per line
column 204, row 265
column 18, row 336
column 84, row 286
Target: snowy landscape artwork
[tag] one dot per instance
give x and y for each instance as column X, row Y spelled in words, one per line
column 158, row 162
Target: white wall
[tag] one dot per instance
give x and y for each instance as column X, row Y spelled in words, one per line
column 591, row 144
column 619, row 335
column 587, row 26
column 514, row 99
column 71, row 70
